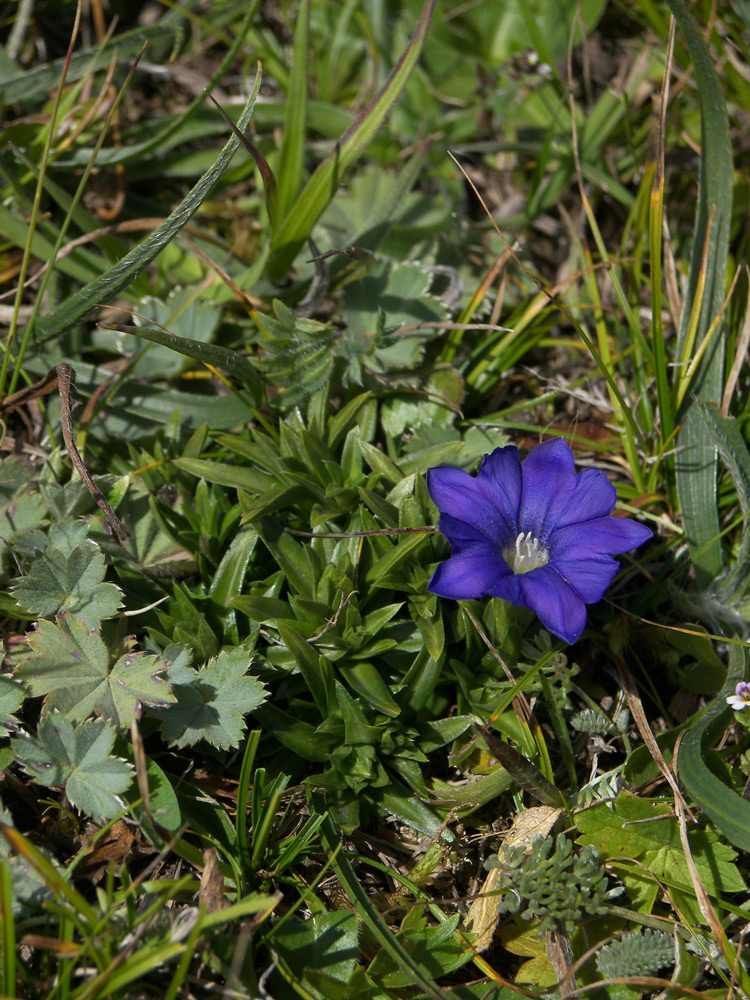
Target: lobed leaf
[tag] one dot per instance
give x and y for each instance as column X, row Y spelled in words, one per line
column 79, row 759
column 71, row 666
column 213, row 706
column 61, row 580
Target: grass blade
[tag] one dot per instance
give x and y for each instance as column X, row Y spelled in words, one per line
column 211, row 354
column 291, row 157
column 697, row 461
column 8, row 951
column 367, row 911
column 121, row 273
column 322, row 186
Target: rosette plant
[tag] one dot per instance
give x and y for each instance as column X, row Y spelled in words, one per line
column 538, row 534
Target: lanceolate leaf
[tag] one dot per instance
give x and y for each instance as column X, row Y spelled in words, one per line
column 322, row 186
column 696, row 462
column 80, row 759
column 212, row 354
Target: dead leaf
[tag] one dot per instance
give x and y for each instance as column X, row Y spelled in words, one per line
column 482, row 917
column 211, row 893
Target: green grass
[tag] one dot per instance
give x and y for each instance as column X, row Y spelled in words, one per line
column 246, row 752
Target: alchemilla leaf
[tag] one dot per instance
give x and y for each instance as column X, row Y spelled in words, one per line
column 63, row 579
column 71, row 665
column 80, row 760
column 214, row 706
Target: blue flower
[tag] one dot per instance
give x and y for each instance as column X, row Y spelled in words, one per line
column 539, row 536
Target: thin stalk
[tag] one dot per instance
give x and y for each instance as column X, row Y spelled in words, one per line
column 8, row 932
column 35, row 209
column 66, row 222
column 248, row 760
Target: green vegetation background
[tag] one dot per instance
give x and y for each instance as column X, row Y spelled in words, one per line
column 243, row 751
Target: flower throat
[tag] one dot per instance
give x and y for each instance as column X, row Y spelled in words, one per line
column 528, row 553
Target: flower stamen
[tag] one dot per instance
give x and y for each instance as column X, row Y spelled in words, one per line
column 526, row 554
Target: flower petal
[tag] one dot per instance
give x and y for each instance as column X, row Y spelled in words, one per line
column 456, row 493
column 593, row 496
column 558, row 606
column 603, row 535
column 461, row 534
column 500, row 476
column 548, row 484
column 589, row 575
column 474, row 571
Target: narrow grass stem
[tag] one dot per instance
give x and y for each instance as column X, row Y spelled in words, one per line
column 35, row 209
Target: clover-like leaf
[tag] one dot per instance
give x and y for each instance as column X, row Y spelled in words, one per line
column 79, row 759
column 11, row 699
column 213, row 707
column 69, row 580
column 71, row 665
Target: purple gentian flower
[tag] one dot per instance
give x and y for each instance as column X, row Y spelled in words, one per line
column 539, row 536
column 741, row 697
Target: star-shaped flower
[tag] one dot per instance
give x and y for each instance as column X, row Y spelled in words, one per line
column 537, row 535
column 741, row 697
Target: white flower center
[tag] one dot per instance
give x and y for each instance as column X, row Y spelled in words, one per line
column 528, row 553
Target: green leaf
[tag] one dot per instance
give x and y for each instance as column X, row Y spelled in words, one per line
column 728, row 810
column 300, row 737
column 211, row 354
column 21, row 510
column 398, row 555
column 214, row 705
column 224, row 474
column 227, row 580
column 60, row 580
column 292, row 155
column 326, row 943
column 11, row 699
column 733, row 451
column 367, row 912
column 71, row 665
column 297, row 561
column 437, row 950
column 165, row 807
column 80, row 760
column 645, row 830
column 322, row 186
column 368, row 681
column 29, row 886
column 119, row 275
column 20, row 84
column 314, row 668
column 299, row 353
column 696, row 460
